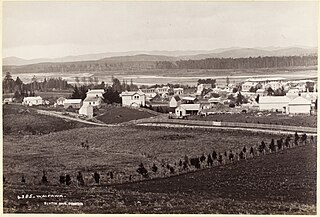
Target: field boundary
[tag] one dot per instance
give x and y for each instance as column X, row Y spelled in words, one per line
column 231, row 125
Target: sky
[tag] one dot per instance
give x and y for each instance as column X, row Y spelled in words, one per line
column 58, row 29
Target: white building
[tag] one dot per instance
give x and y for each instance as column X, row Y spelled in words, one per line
column 93, row 101
column 177, row 91
column 30, row 101
column 299, row 105
column 61, row 100
column 133, row 98
column 162, row 91
column 274, row 85
column 187, row 109
column 246, row 86
column 95, row 93
column 73, row 103
column 87, row 110
column 175, row 101
column 8, row 100
column 201, row 87
column 150, row 92
column 274, row 103
column 262, row 92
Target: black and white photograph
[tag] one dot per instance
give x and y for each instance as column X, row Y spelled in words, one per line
column 159, row 107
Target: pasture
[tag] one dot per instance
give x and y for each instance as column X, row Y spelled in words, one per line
column 280, row 183
column 116, row 114
column 21, row 120
column 252, row 117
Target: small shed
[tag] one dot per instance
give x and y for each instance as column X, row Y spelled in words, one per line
column 299, row 105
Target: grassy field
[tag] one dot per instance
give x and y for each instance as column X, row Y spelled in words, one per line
column 281, row 183
column 113, row 115
column 21, row 120
column 273, row 118
column 117, row 149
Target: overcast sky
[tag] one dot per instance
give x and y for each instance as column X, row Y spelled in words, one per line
column 57, row 29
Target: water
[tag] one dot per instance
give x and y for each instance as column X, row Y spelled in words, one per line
column 159, row 79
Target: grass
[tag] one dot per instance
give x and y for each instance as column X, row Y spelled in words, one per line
column 121, row 114
column 281, row 183
column 20, row 120
column 118, row 149
column 252, row 117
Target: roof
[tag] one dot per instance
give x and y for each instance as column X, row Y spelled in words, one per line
column 300, row 101
column 61, row 98
column 96, row 91
column 72, row 101
column 176, row 97
column 91, row 99
column 32, row 97
column 190, row 107
column 214, row 99
column 261, row 91
column 131, row 93
column 273, row 99
column 188, row 98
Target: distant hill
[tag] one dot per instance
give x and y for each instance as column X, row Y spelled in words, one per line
column 163, row 55
column 254, row 52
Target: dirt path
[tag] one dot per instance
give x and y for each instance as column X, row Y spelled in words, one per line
column 60, row 115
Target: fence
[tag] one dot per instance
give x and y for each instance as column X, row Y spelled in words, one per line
column 233, row 124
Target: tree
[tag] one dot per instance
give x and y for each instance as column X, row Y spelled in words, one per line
column 257, row 98
column 252, row 89
column 270, row 91
column 272, row 146
column 76, row 93
column 240, row 98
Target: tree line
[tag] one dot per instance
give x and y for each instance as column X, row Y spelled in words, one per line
column 21, row 89
column 240, row 63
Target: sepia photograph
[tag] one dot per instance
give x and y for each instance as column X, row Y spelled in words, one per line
column 159, row 107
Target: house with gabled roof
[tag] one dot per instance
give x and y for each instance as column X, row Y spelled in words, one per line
column 133, row 98
column 187, row 109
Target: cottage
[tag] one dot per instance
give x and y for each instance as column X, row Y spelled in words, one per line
column 60, row 101
column 31, row 101
column 73, row 103
column 187, row 109
column 87, row 110
column 8, row 100
column 274, row 103
column 133, row 98
column 94, row 101
column 178, row 91
column 299, row 105
column 95, row 93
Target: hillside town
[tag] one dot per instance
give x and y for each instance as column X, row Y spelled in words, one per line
column 291, row 97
